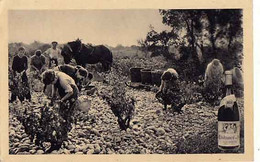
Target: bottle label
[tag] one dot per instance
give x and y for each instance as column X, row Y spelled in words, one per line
column 228, row 133
column 228, row 101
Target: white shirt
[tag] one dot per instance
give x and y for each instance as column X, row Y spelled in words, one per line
column 53, row 53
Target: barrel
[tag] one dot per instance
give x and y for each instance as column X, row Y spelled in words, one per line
column 156, row 77
column 146, row 76
column 135, row 73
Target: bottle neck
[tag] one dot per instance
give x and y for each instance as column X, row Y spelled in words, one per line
column 229, row 90
column 228, row 83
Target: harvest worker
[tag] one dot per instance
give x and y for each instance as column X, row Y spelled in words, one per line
column 169, row 78
column 54, row 53
column 19, row 67
column 169, row 90
column 38, row 62
column 67, row 89
column 68, row 93
column 80, row 75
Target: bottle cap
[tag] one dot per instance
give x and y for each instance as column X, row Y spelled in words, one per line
column 228, row 72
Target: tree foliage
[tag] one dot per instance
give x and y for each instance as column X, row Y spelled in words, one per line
column 199, row 36
column 187, row 21
column 223, row 24
column 158, row 42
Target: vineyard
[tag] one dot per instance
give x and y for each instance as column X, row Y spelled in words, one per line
column 152, row 130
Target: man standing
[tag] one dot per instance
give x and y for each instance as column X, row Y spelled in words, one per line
column 20, row 85
column 54, row 53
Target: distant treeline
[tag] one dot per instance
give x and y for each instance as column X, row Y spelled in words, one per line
column 32, row 47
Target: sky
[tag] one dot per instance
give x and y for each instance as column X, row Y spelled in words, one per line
column 110, row 27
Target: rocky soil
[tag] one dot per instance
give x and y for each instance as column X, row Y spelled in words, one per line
column 153, row 131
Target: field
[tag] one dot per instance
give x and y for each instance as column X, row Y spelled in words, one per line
column 152, row 130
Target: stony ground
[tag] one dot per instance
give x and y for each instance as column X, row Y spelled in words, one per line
column 153, row 131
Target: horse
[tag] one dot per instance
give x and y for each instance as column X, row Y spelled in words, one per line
column 87, row 54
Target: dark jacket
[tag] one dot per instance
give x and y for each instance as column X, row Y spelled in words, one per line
column 38, row 61
column 20, row 64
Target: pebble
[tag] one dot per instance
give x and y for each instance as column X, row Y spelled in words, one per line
column 25, row 136
column 54, row 152
column 117, row 139
column 108, row 137
column 65, row 151
column 11, row 133
column 16, row 140
column 25, row 140
column 81, row 134
column 16, row 144
column 136, row 128
column 18, row 136
column 86, row 141
column 91, row 151
column 40, row 152
column 149, row 131
column 96, row 132
column 151, row 128
column 97, row 150
column 76, row 149
column 167, row 130
column 90, row 146
column 109, row 152
column 24, row 147
column 160, row 132
column 99, row 133
column 140, row 140
column 71, row 147
column 108, row 144
column 32, row 151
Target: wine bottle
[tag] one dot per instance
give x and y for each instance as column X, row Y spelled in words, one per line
column 228, row 118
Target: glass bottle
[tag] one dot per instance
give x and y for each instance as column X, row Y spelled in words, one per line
column 228, row 118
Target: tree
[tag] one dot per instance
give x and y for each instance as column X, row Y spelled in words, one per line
column 200, row 36
column 189, row 20
column 211, row 16
column 158, row 43
column 234, row 25
column 223, row 23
